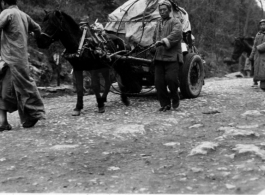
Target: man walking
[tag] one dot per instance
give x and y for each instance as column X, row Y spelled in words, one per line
column 167, row 38
column 18, row 90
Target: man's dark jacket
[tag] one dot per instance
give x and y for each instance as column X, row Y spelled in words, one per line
column 171, row 34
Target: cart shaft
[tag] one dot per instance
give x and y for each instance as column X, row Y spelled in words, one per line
column 131, row 58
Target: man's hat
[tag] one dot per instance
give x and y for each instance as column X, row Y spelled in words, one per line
column 166, row 3
column 262, row 20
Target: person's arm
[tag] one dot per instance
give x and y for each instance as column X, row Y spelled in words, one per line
column 5, row 18
column 157, row 43
column 33, row 26
column 175, row 36
column 261, row 47
column 254, row 49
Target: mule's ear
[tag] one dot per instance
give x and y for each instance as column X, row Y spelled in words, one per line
column 58, row 14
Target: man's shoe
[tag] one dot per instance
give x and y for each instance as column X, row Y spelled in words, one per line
column 175, row 104
column 164, row 109
column 125, row 100
column 6, row 127
column 101, row 109
column 30, row 123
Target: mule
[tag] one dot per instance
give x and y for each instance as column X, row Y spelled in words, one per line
column 58, row 26
column 241, row 45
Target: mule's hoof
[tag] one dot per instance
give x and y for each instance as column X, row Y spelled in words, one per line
column 125, row 100
column 76, row 113
column 101, row 109
column 104, row 99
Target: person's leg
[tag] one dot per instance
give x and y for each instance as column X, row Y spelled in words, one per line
column 255, row 83
column 4, row 125
column 262, row 85
column 8, row 100
column 248, row 73
column 173, row 82
column 3, row 118
column 161, row 88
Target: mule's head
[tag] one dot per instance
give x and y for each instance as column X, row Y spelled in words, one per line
column 51, row 29
column 239, row 48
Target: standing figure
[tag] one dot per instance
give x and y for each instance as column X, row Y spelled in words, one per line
column 168, row 57
column 56, row 59
column 18, row 90
column 258, row 56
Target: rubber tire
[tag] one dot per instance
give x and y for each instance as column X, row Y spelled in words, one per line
column 191, row 87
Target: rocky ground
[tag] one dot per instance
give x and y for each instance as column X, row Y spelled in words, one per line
column 211, row 144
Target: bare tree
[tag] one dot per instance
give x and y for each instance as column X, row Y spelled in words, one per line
column 262, row 10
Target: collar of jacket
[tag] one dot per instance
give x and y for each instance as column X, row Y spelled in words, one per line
column 262, row 32
column 13, row 6
column 165, row 19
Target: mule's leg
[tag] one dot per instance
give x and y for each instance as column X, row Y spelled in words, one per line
column 106, row 75
column 125, row 99
column 79, row 90
column 122, row 80
column 96, row 88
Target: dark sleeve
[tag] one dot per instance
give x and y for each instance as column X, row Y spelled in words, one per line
column 176, row 34
column 254, row 49
column 187, row 38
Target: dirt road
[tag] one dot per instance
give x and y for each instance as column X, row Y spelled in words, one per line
column 211, row 144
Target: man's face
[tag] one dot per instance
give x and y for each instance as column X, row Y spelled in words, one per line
column 164, row 11
column 262, row 26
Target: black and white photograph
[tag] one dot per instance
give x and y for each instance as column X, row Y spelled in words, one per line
column 132, row 96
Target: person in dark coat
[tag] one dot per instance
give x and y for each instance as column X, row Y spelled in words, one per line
column 168, row 57
column 258, row 55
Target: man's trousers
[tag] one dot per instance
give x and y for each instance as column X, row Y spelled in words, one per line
column 166, row 75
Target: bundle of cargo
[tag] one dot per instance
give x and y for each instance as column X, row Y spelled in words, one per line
column 135, row 20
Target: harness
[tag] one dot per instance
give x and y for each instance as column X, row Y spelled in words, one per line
column 92, row 39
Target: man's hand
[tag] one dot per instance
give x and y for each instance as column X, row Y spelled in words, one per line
column 159, row 43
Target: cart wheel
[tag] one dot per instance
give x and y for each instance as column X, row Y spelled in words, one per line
column 191, row 76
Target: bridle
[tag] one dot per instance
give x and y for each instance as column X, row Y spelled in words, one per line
column 58, row 28
column 239, row 44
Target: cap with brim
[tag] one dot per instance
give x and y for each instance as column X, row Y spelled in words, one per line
column 166, row 3
column 261, row 21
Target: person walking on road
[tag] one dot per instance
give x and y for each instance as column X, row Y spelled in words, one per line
column 168, row 57
column 18, row 90
column 258, row 55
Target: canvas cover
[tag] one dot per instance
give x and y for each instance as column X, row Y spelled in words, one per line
column 128, row 20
